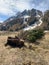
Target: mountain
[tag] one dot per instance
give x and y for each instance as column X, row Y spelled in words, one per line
column 22, row 20
column 46, row 20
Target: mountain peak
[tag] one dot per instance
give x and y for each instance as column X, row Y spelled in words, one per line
column 16, row 22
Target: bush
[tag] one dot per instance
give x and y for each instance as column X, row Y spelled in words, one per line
column 34, row 35
column 31, row 38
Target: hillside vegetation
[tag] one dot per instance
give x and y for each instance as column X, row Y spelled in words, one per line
column 32, row 35
column 36, row 53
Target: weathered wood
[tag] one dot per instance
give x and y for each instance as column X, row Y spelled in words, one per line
column 15, row 42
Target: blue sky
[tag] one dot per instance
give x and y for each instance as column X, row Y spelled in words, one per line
column 11, row 7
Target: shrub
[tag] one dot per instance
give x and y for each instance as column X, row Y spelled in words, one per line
column 31, row 38
column 34, row 35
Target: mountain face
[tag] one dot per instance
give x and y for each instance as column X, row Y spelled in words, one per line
column 46, row 20
column 22, row 20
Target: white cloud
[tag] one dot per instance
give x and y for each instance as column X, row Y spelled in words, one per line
column 42, row 6
column 1, row 20
column 22, row 5
column 6, row 7
column 10, row 7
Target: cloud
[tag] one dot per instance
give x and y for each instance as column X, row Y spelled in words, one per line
column 43, row 5
column 11, row 7
column 1, row 20
column 6, row 8
column 22, row 5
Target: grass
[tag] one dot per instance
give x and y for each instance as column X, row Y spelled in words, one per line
column 35, row 55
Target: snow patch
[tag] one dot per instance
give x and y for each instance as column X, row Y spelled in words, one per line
column 33, row 26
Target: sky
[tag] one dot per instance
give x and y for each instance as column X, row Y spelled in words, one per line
column 9, row 8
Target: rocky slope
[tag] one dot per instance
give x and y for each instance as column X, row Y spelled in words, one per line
column 46, row 20
column 22, row 20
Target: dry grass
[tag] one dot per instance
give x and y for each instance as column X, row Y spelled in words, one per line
column 35, row 55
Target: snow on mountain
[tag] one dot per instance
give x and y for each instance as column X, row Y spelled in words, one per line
column 35, row 24
column 28, row 19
